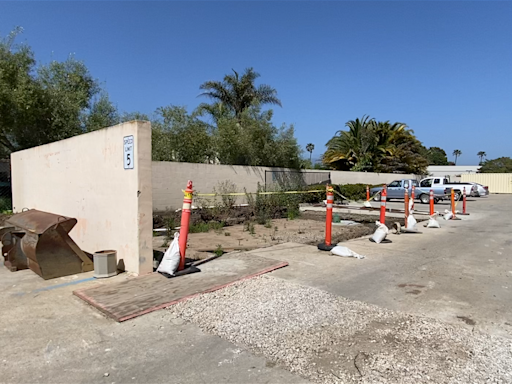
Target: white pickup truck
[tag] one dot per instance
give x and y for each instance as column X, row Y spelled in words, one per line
column 458, row 188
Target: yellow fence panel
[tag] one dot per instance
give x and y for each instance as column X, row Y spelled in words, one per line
column 497, row 182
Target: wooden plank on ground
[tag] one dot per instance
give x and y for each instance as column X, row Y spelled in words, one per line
column 140, row 295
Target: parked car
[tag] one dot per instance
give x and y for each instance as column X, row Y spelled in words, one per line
column 481, row 190
column 396, row 190
column 433, row 182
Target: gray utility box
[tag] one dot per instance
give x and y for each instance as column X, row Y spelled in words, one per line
column 105, row 264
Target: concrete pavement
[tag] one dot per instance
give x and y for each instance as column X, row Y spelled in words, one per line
column 461, row 272
column 47, row 335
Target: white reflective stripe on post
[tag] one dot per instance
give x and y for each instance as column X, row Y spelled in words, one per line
column 329, row 206
column 330, row 197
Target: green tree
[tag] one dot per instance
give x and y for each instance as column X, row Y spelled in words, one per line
column 179, row 136
column 437, row 156
column 350, row 148
column 363, row 146
column 408, row 155
column 41, row 104
column 102, row 114
column 237, row 93
column 310, row 148
column 456, row 154
column 254, row 140
column 500, row 165
column 481, row 155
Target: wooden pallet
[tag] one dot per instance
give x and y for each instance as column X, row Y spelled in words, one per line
column 144, row 294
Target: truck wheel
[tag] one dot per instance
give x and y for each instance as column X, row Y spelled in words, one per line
column 377, row 197
column 425, row 199
column 456, row 195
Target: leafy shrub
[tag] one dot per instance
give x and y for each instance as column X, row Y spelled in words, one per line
column 219, row 251
column 5, row 205
column 205, row 227
column 314, row 197
column 352, row 191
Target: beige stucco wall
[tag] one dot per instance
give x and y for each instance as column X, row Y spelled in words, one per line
column 84, row 177
column 341, row 177
column 169, row 178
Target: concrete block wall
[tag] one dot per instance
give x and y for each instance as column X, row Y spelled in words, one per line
column 169, row 178
column 84, row 177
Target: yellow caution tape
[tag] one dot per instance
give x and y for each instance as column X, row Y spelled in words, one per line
column 256, row 193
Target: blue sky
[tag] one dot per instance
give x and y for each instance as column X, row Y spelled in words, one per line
column 443, row 68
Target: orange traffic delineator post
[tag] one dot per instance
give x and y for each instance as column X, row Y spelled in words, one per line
column 453, row 206
column 412, row 196
column 464, row 203
column 406, row 203
column 327, row 246
column 407, row 212
column 431, row 202
column 367, row 193
column 453, row 202
column 383, row 197
column 185, row 222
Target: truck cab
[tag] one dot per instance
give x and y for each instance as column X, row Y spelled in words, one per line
column 433, row 182
column 396, row 189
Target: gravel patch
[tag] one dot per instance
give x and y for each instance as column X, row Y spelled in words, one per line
column 329, row 339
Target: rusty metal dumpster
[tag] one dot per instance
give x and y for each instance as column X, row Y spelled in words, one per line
column 40, row 241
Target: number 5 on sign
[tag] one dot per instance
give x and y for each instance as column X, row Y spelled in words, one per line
column 128, row 152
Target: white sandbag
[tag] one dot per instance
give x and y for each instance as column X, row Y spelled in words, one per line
column 342, row 251
column 380, row 233
column 171, row 259
column 367, row 204
column 411, row 222
column 432, row 222
column 447, row 215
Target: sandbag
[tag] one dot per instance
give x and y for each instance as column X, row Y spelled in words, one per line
column 447, row 215
column 171, row 259
column 380, row 233
column 411, row 222
column 432, row 222
column 342, row 251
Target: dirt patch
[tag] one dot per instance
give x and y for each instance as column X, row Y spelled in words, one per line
column 240, row 231
column 238, row 237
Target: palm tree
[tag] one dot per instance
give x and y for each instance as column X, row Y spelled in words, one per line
column 481, row 155
column 457, row 153
column 364, row 145
column 237, row 93
column 310, row 148
column 350, row 147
